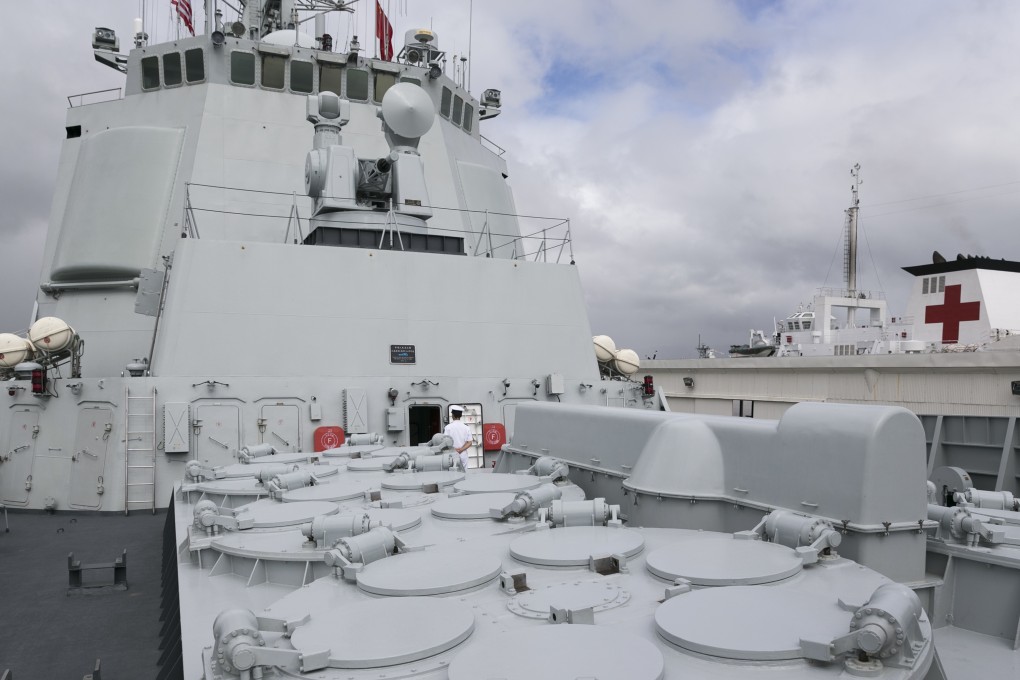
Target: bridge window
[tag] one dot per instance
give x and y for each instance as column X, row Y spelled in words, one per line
column 458, row 108
column 194, row 66
column 383, row 82
column 301, row 76
column 413, row 81
column 357, row 84
column 469, row 115
column 274, row 67
column 172, row 69
column 150, row 73
column 444, row 104
column 242, row 68
column 330, row 78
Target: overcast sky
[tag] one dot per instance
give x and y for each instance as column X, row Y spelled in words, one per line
column 700, row 148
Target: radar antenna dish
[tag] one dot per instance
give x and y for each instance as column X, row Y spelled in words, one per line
column 408, row 110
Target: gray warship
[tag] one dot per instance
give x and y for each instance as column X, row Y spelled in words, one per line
column 274, row 271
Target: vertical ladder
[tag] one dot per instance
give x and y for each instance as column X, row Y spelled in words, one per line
column 139, row 450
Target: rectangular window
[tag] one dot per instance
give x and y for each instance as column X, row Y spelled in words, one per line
column 924, row 286
column 942, row 284
column 242, row 68
column 150, row 73
column 458, row 108
column 413, row 81
column 329, row 78
column 273, row 68
column 444, row 104
column 357, row 84
column 194, row 66
column 172, row 68
column 469, row 116
column 301, row 76
column 383, row 82
column 807, row 325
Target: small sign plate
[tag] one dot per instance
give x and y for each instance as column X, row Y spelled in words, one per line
column 401, row 354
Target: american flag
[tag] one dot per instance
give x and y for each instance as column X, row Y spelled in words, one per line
column 184, row 12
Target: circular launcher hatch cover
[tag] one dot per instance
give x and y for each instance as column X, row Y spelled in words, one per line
column 398, row 519
column 559, row 652
column 347, row 451
column 715, row 559
column 268, row 514
column 574, row 546
column 386, row 632
column 751, row 623
column 341, row 490
column 416, row 481
column 471, row 506
column 429, row 572
column 537, row 604
column 373, row 464
column 497, row 482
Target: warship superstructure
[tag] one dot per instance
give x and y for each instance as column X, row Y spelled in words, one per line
column 272, row 273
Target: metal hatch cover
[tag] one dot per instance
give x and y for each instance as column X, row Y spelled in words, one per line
column 373, row 464
column 537, row 603
column 752, row 623
column 556, row 652
column 237, row 470
column 574, row 546
column 346, row 451
column 497, row 482
column 430, row 572
column 341, row 490
column 713, row 559
column 471, row 506
column 276, row 546
column 268, row 514
column 233, row 487
column 386, row 632
column 398, row 519
column 415, row 481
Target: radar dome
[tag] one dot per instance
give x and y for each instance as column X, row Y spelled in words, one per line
column 408, row 110
column 50, row 334
column 627, row 362
column 13, row 350
column 605, row 348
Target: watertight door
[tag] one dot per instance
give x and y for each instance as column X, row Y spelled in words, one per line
column 88, row 459
column 282, row 424
column 17, row 456
column 218, row 433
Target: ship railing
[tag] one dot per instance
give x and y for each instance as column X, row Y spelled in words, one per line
column 494, row 234
column 846, row 293
column 94, row 97
column 492, row 146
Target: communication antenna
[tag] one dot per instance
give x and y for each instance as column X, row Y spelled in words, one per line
column 471, row 16
column 850, row 256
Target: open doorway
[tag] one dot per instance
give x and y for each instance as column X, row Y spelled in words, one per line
column 423, row 421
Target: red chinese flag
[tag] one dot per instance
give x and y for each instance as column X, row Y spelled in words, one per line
column 384, row 32
column 184, row 12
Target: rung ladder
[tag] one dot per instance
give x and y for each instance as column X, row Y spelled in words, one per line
column 139, row 450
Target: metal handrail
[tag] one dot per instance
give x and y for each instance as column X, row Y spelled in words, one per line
column 486, row 142
column 542, row 241
column 81, row 97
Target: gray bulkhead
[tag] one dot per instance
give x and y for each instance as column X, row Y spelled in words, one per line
column 261, row 339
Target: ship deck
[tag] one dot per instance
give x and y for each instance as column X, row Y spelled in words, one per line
column 51, row 631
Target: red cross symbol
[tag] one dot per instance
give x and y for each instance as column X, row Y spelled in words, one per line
column 951, row 312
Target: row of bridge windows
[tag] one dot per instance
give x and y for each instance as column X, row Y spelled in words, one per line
column 279, row 72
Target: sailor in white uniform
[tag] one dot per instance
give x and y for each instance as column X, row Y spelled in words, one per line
column 460, row 433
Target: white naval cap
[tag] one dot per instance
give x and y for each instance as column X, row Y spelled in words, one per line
column 457, row 408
